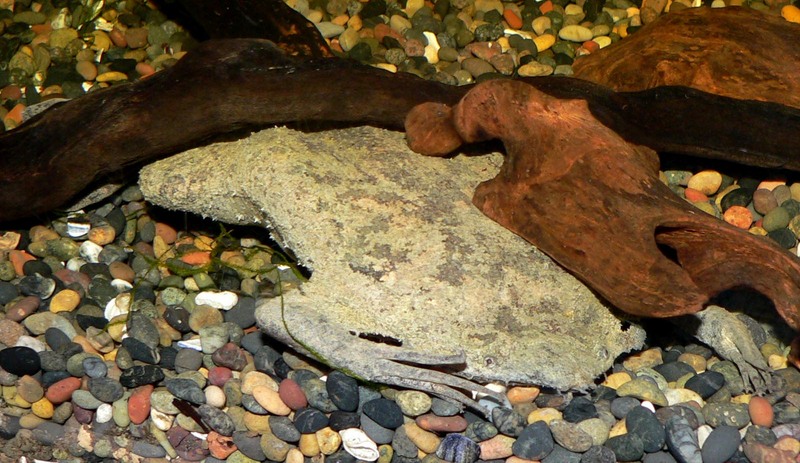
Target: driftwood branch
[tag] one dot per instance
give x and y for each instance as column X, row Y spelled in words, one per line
column 594, row 202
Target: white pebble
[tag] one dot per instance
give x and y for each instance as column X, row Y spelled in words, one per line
column 161, row 420
column 90, row 251
column 223, row 300
column 193, row 344
column 432, row 48
column 329, row 30
column 215, row 396
column 121, row 285
column 649, row 405
column 33, row 343
column 120, row 305
column 702, row 434
column 77, row 229
column 357, row 444
column 104, row 413
column 75, row 264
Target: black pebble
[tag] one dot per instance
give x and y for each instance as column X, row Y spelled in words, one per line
column 674, row 370
column 8, row 292
column 402, row 445
column 342, row 420
column 178, row 318
column 285, row 430
column 480, row 430
column 85, row 321
column 784, row 237
column 32, row 267
column 457, row 448
column 186, row 389
column 20, row 360
column 621, row 406
column 167, row 355
column 562, row 455
column 37, row 285
column 140, row 351
column 599, row 454
column 627, row 447
column 508, row 421
column 384, row 412
column 249, row 445
column 706, row 383
column 280, row 368
column 535, row 442
column 56, row 339
column 341, row 456
column 264, row 358
column 252, row 342
column 141, row 375
column 310, row 420
column 737, row 197
column 644, row 424
column 251, row 405
column 342, row 390
column 51, row 377
column 580, row 409
column 243, row 313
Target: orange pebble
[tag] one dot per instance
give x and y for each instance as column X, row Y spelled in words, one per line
column 139, row 404
column 771, row 184
column 512, row 18
column 16, row 113
column 220, row 446
column 739, row 217
column 591, row 46
column 196, row 257
column 546, row 7
column 145, row 69
column 761, row 413
column 18, row 259
column 695, row 196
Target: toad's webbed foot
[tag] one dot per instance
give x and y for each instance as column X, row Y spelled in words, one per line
column 732, row 340
column 367, row 359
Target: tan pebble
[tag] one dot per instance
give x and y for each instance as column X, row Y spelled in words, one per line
column 788, row 444
column 270, row 400
column 118, row 38
column 618, row 429
column 768, row 349
column 102, row 235
column 29, row 389
column 100, row 340
column 276, row 449
column 777, row 362
column 522, row 395
column 535, row 69
column 9, row 240
column 596, row 428
column 681, row 395
column 10, row 331
column 136, row 37
column 615, row 380
column 575, row 33
column 541, row 24
column 87, row 346
column 543, row 42
column 166, row 232
column 254, row 379
column 204, row 316
column 328, row 440
column 308, row 445
column 762, row 453
column 771, row 184
column 497, row 447
column 794, row 189
column 256, row 423
column 698, row 362
column 65, row 300
column 646, row 359
column 643, row 389
column 544, row 414
column 426, row 441
column 86, row 69
column 215, row 396
column 112, row 76
column 759, row 231
column 30, row 421
column 101, row 41
column 295, row 456
column 791, row 13
column 122, row 271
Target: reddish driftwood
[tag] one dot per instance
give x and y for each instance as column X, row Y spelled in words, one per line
column 594, row 203
column 736, row 52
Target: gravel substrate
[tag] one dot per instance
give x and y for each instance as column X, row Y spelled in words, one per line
column 128, row 334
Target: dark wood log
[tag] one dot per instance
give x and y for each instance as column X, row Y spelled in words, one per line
column 594, row 203
column 737, row 52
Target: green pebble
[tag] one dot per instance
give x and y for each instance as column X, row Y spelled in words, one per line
column 488, row 32
column 233, row 393
column 23, row 63
column 30, row 17
column 119, row 412
column 161, row 438
column 385, row 453
column 204, row 281
column 63, row 248
column 62, row 413
column 464, row 37
column 7, row 272
column 103, row 448
column 124, row 360
column 172, row 296
column 776, row 219
column 448, row 54
column 38, row 249
column 239, row 457
column 237, row 415
column 794, row 226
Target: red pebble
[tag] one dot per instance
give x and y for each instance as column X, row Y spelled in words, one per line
column 760, row 453
column 291, row 394
column 61, row 391
column 761, row 413
column 431, row 422
column 139, row 404
column 22, row 308
column 218, row 376
column 82, row 415
column 694, row 196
